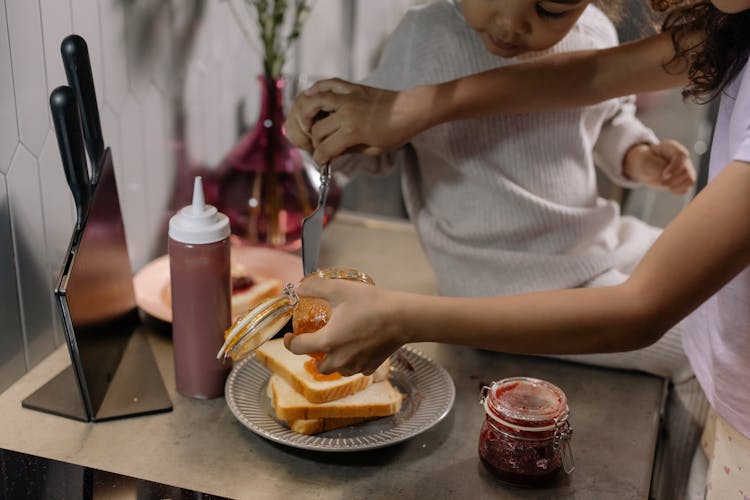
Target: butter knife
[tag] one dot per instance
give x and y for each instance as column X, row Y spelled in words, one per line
column 312, row 226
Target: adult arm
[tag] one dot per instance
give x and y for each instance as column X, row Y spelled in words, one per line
column 700, row 251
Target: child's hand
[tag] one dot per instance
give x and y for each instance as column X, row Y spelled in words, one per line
column 666, row 165
column 362, row 330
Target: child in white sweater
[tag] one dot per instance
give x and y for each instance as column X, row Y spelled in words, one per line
column 509, row 204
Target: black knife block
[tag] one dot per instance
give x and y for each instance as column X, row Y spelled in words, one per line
column 113, row 373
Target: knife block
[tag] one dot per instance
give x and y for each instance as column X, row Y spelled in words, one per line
column 113, row 373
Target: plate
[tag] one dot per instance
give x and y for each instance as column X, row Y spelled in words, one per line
column 152, row 281
column 429, row 391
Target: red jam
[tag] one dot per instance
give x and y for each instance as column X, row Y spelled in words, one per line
column 241, row 283
column 525, row 431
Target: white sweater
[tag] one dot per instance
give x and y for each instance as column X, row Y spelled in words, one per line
column 509, row 204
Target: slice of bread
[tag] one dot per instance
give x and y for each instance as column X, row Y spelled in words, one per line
column 317, row 425
column 377, row 400
column 277, row 358
column 312, row 426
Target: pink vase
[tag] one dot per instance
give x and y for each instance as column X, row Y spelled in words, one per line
column 263, row 185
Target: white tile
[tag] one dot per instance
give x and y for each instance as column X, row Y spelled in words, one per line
column 57, row 23
column 213, row 114
column 27, row 58
column 13, row 361
column 321, row 40
column 159, row 166
column 8, row 120
column 57, row 203
column 27, row 227
column 59, row 214
column 142, row 37
column 114, row 52
column 162, row 67
column 86, row 24
column 228, row 102
column 216, row 20
column 194, row 113
column 132, row 161
column 111, row 133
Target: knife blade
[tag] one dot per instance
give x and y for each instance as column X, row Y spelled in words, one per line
column 312, row 226
column 66, row 120
column 75, row 56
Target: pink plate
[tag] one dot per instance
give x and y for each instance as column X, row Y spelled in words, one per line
column 151, row 283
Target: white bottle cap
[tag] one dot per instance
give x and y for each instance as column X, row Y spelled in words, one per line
column 199, row 223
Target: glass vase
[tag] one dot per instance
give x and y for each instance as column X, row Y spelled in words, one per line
column 264, row 185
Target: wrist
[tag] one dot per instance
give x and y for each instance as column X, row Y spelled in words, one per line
column 399, row 324
column 425, row 110
column 632, row 158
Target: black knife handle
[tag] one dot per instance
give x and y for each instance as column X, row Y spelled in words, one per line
column 75, row 55
column 65, row 117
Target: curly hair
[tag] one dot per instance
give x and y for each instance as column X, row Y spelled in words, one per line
column 718, row 56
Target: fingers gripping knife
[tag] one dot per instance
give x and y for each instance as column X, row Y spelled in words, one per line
column 312, row 226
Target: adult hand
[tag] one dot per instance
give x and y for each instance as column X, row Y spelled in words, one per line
column 361, row 333
column 361, row 119
column 666, row 165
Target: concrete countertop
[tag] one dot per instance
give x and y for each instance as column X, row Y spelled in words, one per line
column 201, row 446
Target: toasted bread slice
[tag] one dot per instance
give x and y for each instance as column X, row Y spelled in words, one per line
column 377, row 400
column 277, row 358
column 317, row 425
column 312, row 426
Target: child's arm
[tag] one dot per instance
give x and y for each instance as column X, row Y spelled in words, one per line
column 559, row 81
column 666, row 165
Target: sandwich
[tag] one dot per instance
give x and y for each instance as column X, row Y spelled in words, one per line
column 296, row 371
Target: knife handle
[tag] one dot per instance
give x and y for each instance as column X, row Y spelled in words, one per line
column 62, row 103
column 75, row 56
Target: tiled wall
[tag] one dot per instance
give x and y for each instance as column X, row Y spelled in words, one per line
column 153, row 61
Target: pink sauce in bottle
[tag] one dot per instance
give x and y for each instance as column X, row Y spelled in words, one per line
column 199, row 265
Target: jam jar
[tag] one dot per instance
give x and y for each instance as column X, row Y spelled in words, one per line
column 266, row 319
column 525, row 438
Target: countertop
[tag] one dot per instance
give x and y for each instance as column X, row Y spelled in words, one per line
column 200, row 446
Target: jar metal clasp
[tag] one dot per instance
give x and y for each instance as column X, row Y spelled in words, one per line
column 291, row 294
column 561, row 441
column 484, row 392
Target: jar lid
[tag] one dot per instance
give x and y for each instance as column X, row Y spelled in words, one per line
column 258, row 325
column 262, row 322
column 527, row 402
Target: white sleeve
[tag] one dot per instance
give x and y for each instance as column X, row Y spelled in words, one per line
column 619, row 132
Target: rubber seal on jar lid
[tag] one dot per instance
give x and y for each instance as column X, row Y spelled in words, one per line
column 255, row 327
column 525, row 400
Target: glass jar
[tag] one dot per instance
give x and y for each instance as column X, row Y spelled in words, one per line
column 525, row 438
column 308, row 314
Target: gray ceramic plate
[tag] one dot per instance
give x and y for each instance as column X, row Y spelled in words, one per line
column 429, row 397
